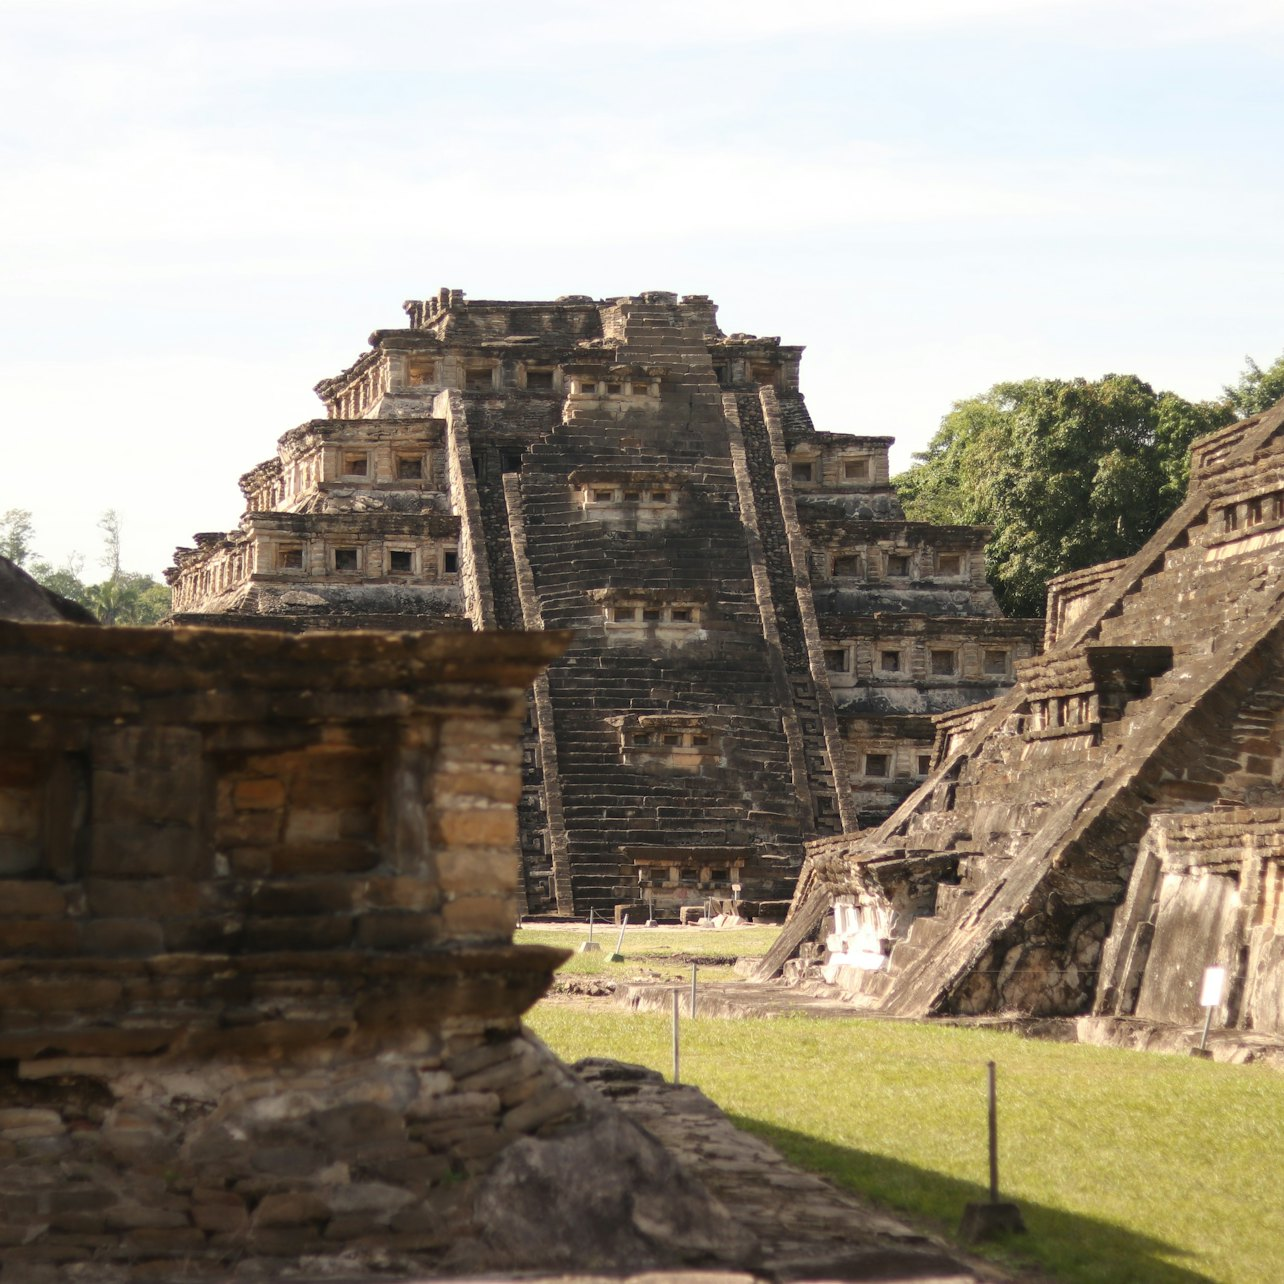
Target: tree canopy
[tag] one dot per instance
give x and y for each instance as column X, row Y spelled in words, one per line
column 125, row 597
column 1067, row 472
column 1257, row 389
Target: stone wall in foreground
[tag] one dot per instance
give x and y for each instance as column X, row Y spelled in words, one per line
column 258, row 996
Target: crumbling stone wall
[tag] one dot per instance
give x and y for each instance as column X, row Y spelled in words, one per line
column 258, row 988
column 1152, row 725
column 622, row 468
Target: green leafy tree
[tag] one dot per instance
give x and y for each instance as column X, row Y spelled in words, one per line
column 1067, row 473
column 146, row 600
column 109, row 524
column 64, row 580
column 16, row 534
column 125, row 597
column 1257, row 389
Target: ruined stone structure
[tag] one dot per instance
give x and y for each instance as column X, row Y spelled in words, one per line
column 1096, row 837
column 761, row 637
column 259, row 1001
column 256, row 973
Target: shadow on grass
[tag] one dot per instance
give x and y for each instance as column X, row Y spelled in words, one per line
column 1067, row 1246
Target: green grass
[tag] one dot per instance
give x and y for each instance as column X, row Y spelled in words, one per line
column 1126, row 1166
column 662, row 953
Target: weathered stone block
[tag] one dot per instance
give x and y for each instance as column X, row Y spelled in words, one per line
column 20, row 813
column 38, row 936
column 477, row 870
column 346, row 857
column 150, row 797
column 147, row 851
column 149, row 898
column 474, row 827
column 303, row 933
column 122, row 937
column 397, row 930
column 491, row 916
column 311, row 826
column 298, row 897
column 472, row 787
column 294, row 1208
column 259, row 794
column 250, row 828
column 402, row 892
column 18, row 856
column 221, row 1218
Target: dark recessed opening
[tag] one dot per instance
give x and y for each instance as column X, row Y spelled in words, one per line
column 878, row 764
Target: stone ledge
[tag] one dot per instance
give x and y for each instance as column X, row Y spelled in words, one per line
column 202, row 1003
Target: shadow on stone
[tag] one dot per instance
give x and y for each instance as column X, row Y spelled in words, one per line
column 598, row 1194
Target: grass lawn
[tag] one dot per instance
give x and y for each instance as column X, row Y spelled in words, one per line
column 656, row 953
column 1126, row 1166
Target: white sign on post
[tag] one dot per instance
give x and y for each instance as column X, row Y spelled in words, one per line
column 1214, row 983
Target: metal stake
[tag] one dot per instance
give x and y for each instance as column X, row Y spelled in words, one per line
column 1208, row 1020
column 985, row 1221
column 675, row 1036
column 693, row 988
column 618, row 957
column 994, row 1139
column 590, row 946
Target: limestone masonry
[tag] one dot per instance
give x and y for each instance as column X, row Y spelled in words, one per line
column 761, row 638
column 1095, row 838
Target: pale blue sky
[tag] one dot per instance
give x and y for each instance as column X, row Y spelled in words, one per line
column 209, row 204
